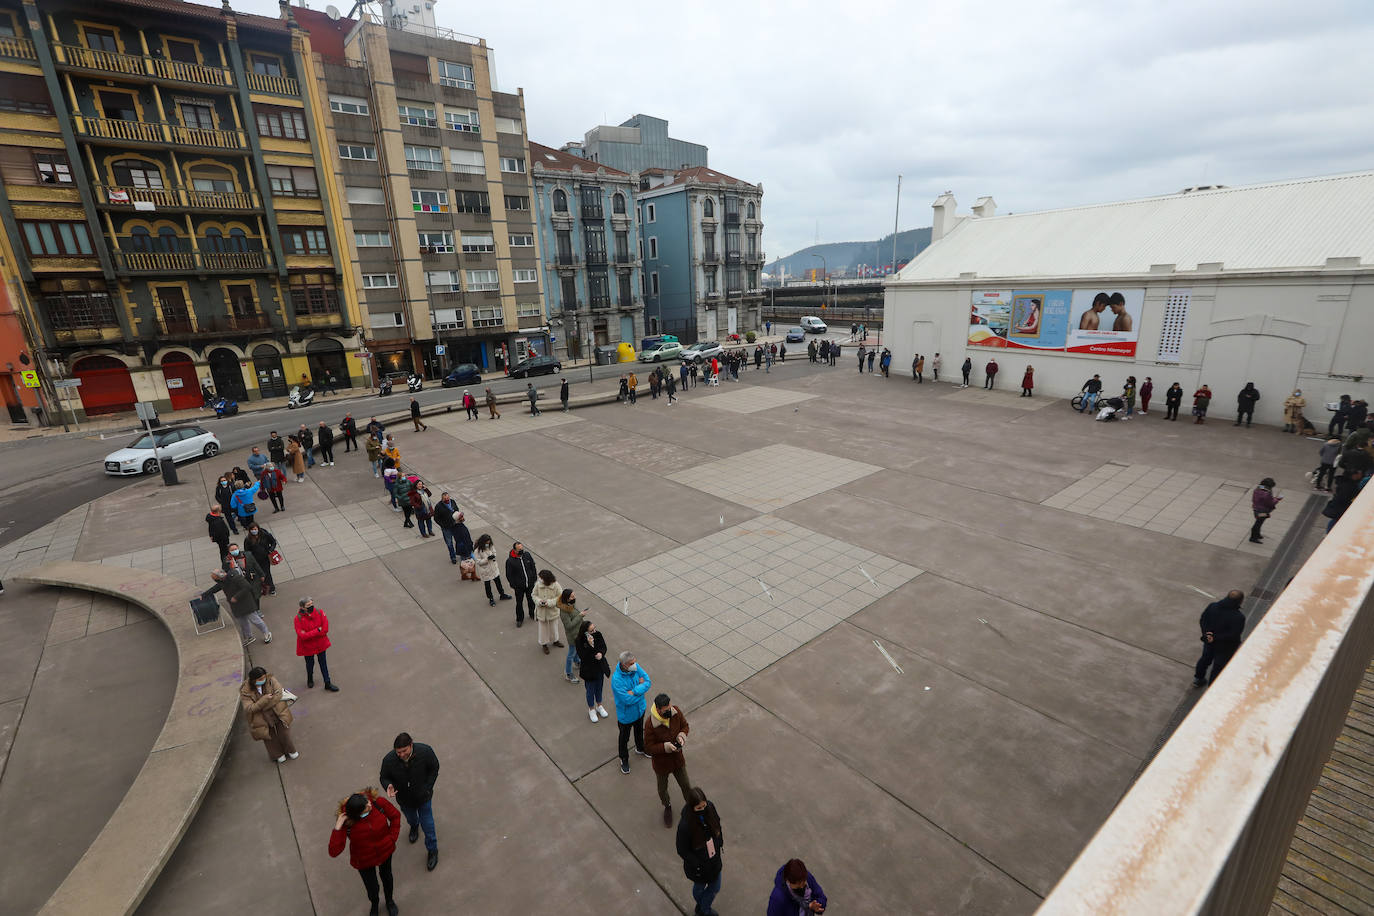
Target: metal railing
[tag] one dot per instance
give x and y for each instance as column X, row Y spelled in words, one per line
column 159, row 132
column 593, row 212
column 188, row 261
column 1206, row 828
column 273, row 85
column 206, row 136
column 184, row 72
column 17, row 48
column 178, row 198
column 215, row 324
column 138, row 65
column 597, row 258
column 235, row 260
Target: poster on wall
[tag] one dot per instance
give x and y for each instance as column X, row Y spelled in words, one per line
column 1023, row 319
column 1105, row 322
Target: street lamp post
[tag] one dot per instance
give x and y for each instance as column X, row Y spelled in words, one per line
column 825, row 274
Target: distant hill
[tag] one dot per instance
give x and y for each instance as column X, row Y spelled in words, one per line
column 846, row 256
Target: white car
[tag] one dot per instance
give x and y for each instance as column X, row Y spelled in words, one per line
column 180, row 443
column 813, row 324
column 702, row 351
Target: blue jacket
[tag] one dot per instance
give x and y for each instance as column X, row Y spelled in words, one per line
column 782, row 903
column 629, row 688
column 242, row 497
column 256, row 463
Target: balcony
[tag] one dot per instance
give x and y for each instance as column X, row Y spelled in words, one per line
column 732, row 219
column 273, row 85
column 567, row 259
column 755, row 257
column 625, row 259
column 710, row 256
column 600, row 303
column 596, row 258
column 159, row 133
column 215, row 325
column 235, row 260
column 175, row 198
column 593, row 212
column 13, row 48
column 733, row 257
column 79, row 58
column 156, row 262
column 207, row 137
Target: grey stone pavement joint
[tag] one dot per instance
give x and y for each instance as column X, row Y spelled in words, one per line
column 738, row 600
column 1199, row 507
column 774, row 476
column 54, row 541
column 751, row 399
column 515, row 419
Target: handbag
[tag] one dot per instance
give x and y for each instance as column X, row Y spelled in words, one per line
column 274, row 557
column 287, row 696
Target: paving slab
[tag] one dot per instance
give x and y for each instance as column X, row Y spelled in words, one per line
column 141, row 515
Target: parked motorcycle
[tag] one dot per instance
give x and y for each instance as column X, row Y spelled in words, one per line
column 384, row 388
column 226, row 407
column 300, row 397
column 415, row 383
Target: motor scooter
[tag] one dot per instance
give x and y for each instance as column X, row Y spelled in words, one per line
column 384, row 388
column 226, row 407
column 415, row 382
column 300, row 397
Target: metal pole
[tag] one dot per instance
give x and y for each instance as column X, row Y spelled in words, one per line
column 156, row 455
column 895, row 217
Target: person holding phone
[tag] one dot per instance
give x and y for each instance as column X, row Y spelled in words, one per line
column 700, row 840
column 368, row 825
column 1263, row 502
column 796, row 892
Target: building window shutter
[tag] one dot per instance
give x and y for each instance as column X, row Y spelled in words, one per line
column 1175, row 321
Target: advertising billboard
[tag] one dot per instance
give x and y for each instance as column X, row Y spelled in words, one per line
column 1105, row 322
column 1020, row 319
column 989, row 317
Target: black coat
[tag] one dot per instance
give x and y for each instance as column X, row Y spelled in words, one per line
column 1246, row 399
column 1356, row 417
column 306, row 439
column 223, row 494
column 414, row 407
column 444, row 511
column 692, row 834
column 462, row 540
column 261, row 547
column 563, row 392
column 218, row 528
column 326, row 437
column 1173, row 397
column 1224, row 620
column 520, row 571
column 242, row 594
column 349, row 426
column 276, row 448
column 590, row 667
column 413, row 778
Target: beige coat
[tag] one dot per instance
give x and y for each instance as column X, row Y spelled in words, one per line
column 296, row 455
column 1292, row 408
column 255, row 706
column 546, row 600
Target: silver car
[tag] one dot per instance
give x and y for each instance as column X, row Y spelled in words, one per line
column 701, row 351
column 180, row 443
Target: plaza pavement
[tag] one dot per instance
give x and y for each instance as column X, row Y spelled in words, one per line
column 765, row 548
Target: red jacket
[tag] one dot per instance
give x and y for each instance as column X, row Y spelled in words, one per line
column 272, row 480
column 312, row 633
column 371, row 840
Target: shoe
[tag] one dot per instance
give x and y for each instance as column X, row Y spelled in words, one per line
column 491, row 601
column 546, row 649
column 272, row 590
column 625, row 768
column 332, row 688
column 432, row 860
column 281, row 759
column 573, row 679
column 641, row 752
column 249, row 641
column 505, row 597
column 520, row 622
column 559, row 644
column 591, row 714
column 453, row 560
column 414, row 832
column 267, row 637
column 668, row 817
column 294, row 754
column 373, row 911
column 1199, row 682
column 601, row 711
column 391, row 908
column 310, row 680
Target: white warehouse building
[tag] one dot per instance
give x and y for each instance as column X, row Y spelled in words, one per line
column 1270, row 283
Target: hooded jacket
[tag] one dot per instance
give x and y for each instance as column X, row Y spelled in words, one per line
column 1224, row 620
column 782, row 902
column 700, row 864
column 520, row 571
column 372, row 839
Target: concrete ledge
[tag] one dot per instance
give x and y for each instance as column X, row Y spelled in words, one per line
column 130, row 851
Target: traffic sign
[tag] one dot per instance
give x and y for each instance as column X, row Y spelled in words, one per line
column 72, row 383
column 439, row 350
column 363, row 354
column 30, row 377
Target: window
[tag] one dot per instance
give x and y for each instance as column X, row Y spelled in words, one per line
column 487, row 317
column 292, row 181
column 304, row 240
column 467, row 161
column 182, row 51
column 136, row 173
column 117, row 106
column 753, row 278
column 344, row 104
column 386, row 319
column 529, row 310
column 622, row 246
column 475, row 243
column 443, row 281
column 526, row 276
column 479, row 280
column 598, row 288
column 53, row 168
column 7, row 29
column 26, row 106
column 473, row 202
column 357, row 151
column 522, row 241
column 429, row 201
column 210, row 178
column 265, row 66
column 49, row 239
column 653, row 283
column 507, row 126
column 460, row 119
column 458, row 76
column 436, row 242
column 618, row 204
column 560, row 201
column 564, row 240
column 101, row 40
column 513, row 164
column 626, row 297
column 200, row 115
column 751, row 244
column 651, row 212
column 379, row 281
column 749, row 213
column 732, row 280
column 364, row 196
column 653, row 246
column 425, row 158
column 446, row 319
column 283, row 123
column 417, row 115
column 708, row 209
column 1175, row 323
column 372, row 239
column 709, row 249
column 27, row 94
column 517, row 202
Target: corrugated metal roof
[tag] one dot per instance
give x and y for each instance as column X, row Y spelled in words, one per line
column 1281, row 225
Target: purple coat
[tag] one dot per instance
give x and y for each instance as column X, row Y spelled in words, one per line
column 782, row 903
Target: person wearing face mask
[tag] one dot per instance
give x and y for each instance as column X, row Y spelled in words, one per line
column 699, row 844
column 312, row 639
column 1293, row 407
column 243, row 603
column 796, row 892
column 260, row 544
column 629, row 683
column 274, row 485
column 408, row 774
column 665, row 735
column 224, row 492
column 236, row 559
column 369, row 825
column 489, row 568
column 571, row 617
column 520, row 573
column 218, row 529
column 592, row 665
column 268, row 715
column 546, row 593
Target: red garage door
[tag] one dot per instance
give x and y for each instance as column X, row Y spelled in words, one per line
column 182, row 384
column 106, row 386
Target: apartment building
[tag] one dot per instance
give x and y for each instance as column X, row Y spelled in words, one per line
column 701, row 234
column 637, row 144
column 432, row 164
column 167, row 217
column 590, row 240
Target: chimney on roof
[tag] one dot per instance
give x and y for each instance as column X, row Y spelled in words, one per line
column 944, row 218
column 985, row 206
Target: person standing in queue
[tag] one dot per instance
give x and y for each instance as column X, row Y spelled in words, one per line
column 312, row 640
column 522, row 576
column 700, row 840
column 368, row 825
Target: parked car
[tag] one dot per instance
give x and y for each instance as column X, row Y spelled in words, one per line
column 537, row 365
column 701, row 351
column 795, row 335
column 180, row 443
column 666, row 349
column 650, row 343
column 813, row 325
column 464, row 374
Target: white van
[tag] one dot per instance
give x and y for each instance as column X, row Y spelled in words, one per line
column 813, row 324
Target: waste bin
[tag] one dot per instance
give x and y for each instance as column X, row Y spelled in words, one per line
column 169, row 470
column 605, row 356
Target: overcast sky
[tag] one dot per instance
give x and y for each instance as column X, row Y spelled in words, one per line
column 1040, row 105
